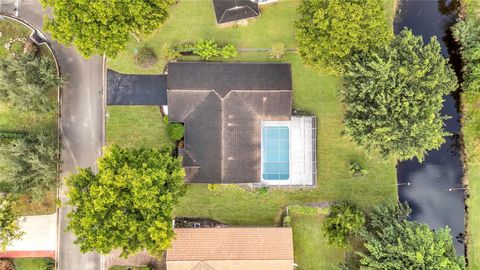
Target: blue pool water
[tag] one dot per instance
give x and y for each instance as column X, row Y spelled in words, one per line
column 275, row 153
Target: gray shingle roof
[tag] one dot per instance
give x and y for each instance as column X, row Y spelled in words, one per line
column 234, row 10
column 222, row 105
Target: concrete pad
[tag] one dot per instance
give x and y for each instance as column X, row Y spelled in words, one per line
column 40, row 234
column 302, row 152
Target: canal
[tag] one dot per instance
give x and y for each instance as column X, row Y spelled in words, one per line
column 434, row 188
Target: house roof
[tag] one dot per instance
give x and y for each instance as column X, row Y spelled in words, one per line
column 129, row 89
column 222, row 106
column 234, row 10
column 231, row 248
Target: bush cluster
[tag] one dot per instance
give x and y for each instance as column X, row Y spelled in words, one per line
column 146, row 57
column 206, row 49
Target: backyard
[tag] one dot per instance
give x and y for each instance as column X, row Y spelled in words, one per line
column 26, row 122
column 313, row 92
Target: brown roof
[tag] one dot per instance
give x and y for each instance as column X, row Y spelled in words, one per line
column 222, row 106
column 204, row 244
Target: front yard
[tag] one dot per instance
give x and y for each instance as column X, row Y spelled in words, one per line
column 312, row 92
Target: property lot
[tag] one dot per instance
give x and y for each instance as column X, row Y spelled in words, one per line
column 313, row 92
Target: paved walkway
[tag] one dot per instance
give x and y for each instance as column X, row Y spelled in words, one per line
column 81, row 128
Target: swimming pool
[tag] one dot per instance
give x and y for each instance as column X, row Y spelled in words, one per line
column 275, row 153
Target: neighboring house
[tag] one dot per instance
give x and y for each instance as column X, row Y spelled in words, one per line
column 238, row 124
column 231, row 249
column 227, row 11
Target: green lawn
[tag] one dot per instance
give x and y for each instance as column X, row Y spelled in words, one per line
column 193, row 20
column 471, row 136
column 311, row 249
column 32, row 263
column 138, row 126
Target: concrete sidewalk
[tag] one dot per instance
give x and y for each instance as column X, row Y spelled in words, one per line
column 39, row 240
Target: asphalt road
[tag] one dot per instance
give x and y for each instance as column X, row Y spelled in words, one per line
column 81, row 129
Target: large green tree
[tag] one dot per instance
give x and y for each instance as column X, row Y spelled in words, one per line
column 343, row 221
column 394, row 243
column 330, row 30
column 27, row 83
column 128, row 204
column 394, row 95
column 467, row 32
column 29, row 164
column 9, row 222
column 97, row 27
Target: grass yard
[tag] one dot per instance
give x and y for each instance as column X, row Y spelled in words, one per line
column 138, row 126
column 471, row 136
column 311, row 249
column 32, row 263
column 193, row 20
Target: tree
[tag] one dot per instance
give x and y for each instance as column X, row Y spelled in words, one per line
column 392, row 242
column 9, row 223
column 97, row 27
column 394, row 95
column 128, row 204
column 26, row 82
column 343, row 221
column 29, row 165
column 330, row 30
column 467, row 32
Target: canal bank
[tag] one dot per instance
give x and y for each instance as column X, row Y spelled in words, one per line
column 434, row 188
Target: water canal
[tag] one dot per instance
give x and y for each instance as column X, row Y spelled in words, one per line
column 434, row 188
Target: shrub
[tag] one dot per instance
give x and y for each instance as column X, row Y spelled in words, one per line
column 356, row 169
column 262, row 191
column 171, row 55
column 277, row 51
column 229, row 51
column 185, row 47
column 146, row 57
column 345, row 220
column 29, row 164
column 206, row 49
column 26, row 82
column 175, row 131
column 214, row 187
column 287, row 221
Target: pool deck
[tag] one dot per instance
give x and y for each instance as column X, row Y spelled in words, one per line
column 302, row 151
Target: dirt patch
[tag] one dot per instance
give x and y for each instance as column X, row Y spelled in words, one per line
column 6, row 264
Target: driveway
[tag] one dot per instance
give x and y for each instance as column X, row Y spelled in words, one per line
column 81, row 129
column 132, row 89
